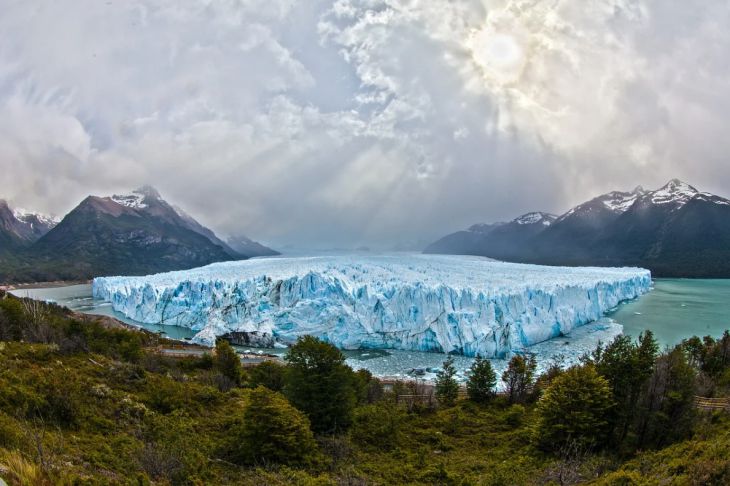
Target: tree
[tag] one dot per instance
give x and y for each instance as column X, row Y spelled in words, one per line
column 368, row 389
column 481, row 381
column 627, row 366
column 574, row 410
column 11, row 319
column 271, row 431
column 447, row 388
column 667, row 405
column 227, row 362
column 319, row 383
column 268, row 374
column 519, row 377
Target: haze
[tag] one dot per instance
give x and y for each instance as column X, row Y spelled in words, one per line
column 372, row 122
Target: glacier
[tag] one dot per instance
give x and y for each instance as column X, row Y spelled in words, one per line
column 441, row 303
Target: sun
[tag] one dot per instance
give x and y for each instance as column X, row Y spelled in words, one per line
column 501, row 56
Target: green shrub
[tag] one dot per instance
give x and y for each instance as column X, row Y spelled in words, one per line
column 574, row 410
column 227, row 362
column 378, row 425
column 272, row 431
column 11, row 319
column 10, row 435
column 515, row 415
column 270, row 374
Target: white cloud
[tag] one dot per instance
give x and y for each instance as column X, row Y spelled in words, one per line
column 354, row 121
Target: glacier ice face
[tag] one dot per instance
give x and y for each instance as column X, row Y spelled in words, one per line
column 453, row 304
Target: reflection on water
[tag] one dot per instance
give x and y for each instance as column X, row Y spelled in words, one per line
column 674, row 310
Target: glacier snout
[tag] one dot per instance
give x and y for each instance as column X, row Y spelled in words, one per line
column 464, row 305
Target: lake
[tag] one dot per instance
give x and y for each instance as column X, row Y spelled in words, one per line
column 678, row 308
column 673, row 310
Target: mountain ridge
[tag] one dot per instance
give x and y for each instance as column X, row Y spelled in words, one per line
column 675, row 231
column 128, row 234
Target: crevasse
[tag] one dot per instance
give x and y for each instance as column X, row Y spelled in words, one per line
column 463, row 305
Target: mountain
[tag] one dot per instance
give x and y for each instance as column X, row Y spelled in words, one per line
column 250, row 248
column 573, row 233
column 137, row 233
column 20, row 228
column 504, row 241
column 675, row 231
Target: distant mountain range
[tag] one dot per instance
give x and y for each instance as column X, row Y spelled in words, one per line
column 137, row 233
column 675, row 231
column 246, row 246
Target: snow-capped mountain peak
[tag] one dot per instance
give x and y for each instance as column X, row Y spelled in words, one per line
column 708, row 197
column 545, row 219
column 675, row 191
column 137, row 198
column 24, row 225
column 134, row 201
column 620, row 202
column 30, row 217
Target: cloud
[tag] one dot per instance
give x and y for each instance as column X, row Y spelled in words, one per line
column 345, row 122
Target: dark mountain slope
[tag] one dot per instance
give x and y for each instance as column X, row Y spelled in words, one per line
column 506, row 241
column 675, row 231
column 132, row 234
column 246, row 246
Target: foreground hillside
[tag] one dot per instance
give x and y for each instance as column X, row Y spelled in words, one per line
column 674, row 231
column 83, row 403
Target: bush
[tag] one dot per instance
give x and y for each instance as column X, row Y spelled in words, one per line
column 11, row 317
column 378, row 425
column 227, row 362
column 574, row 410
column 272, row 431
column 268, row 374
column 10, row 436
column 515, row 415
column 174, row 450
column 368, row 389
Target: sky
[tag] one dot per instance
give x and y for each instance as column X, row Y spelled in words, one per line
column 338, row 123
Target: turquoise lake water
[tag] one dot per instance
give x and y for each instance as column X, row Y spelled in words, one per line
column 678, row 308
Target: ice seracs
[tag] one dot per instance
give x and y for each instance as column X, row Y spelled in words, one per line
column 455, row 304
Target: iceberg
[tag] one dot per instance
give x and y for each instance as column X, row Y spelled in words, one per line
column 441, row 303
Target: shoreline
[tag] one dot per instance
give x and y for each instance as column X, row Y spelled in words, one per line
column 44, row 285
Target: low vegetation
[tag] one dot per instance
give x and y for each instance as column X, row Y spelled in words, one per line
column 85, row 403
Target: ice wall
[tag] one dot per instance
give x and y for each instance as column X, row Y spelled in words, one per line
column 464, row 305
